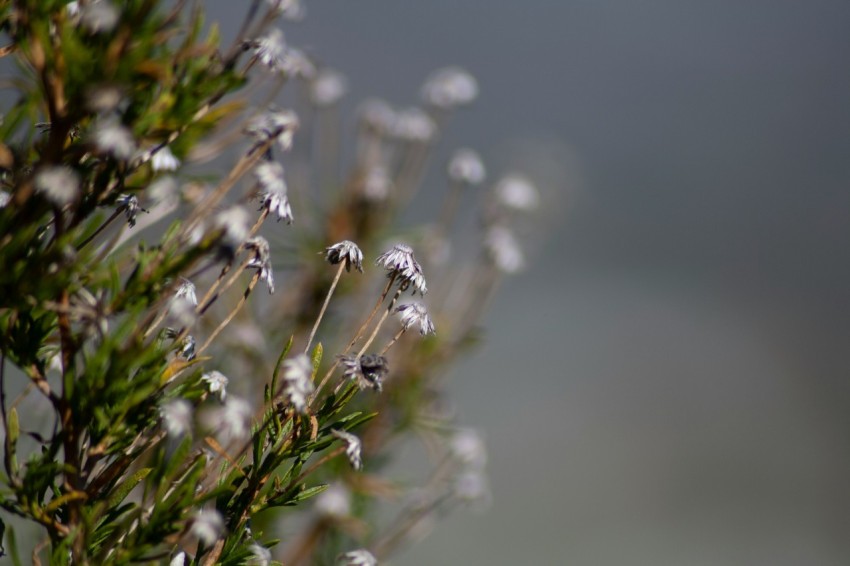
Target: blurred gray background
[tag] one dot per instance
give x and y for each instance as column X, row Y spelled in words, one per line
column 668, row 383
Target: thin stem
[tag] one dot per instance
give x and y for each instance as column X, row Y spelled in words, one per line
column 232, row 314
column 380, row 323
column 394, row 340
column 100, row 229
column 324, row 306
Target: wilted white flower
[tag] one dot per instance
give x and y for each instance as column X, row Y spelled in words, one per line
column 503, row 250
column 416, row 313
column 60, row 185
column 334, row 502
column 179, row 559
column 164, row 160
column 413, row 124
column 359, row 557
column 345, row 251
column 269, row 175
column 352, row 447
column 377, row 115
column 186, row 290
column 4, row 199
column 270, row 49
column 208, row 526
column 176, row 417
column 377, row 183
column 112, row 137
column 130, row 205
column 466, row 166
column 297, row 376
column 260, row 555
column 216, row 383
column 450, row 87
column 235, row 224
column 328, row 88
column 231, row 421
column 261, row 259
column 98, row 16
column 517, row 192
column 468, row 448
column 399, row 261
column 369, row 370
column 276, row 124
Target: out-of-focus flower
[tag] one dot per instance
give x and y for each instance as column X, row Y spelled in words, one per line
column 208, row 526
column 328, row 88
column 164, row 160
column 260, row 555
column 234, row 222
column 472, row 486
column 60, row 185
column 273, row 189
column 400, row 263
column 517, row 192
column 176, row 417
column 261, row 259
column 4, row 199
column 271, row 49
column 359, row 557
column 186, row 290
column 292, row 10
column 345, row 251
column 111, row 136
column 178, row 559
column 468, row 448
column 297, row 374
column 163, row 190
column 377, row 115
column 352, row 447
column 297, row 64
column 98, row 16
column 503, row 250
column 216, row 383
column 449, row 87
column 181, row 312
column 416, row 313
column 413, row 124
column 274, row 124
column 231, row 421
column 467, row 167
column 334, row 502
column 376, row 183
column 104, row 98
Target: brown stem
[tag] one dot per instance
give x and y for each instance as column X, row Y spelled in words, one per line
column 232, row 314
column 324, row 307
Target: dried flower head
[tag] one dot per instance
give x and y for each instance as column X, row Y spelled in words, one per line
column 130, row 205
column 369, row 370
column 467, row 167
column 400, row 263
column 208, row 526
column 274, row 124
column 359, row 557
column 416, row 313
column 186, row 290
column 261, row 259
column 216, row 383
column 271, row 49
column 60, row 185
column 503, row 250
column 328, row 88
column 273, row 189
column 414, row 125
column 112, row 137
column 164, row 160
column 449, row 87
column 345, row 251
column 334, row 502
column 297, row 377
column 176, row 417
column 352, row 447
column 517, row 192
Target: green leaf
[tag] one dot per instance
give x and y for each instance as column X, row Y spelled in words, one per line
column 124, row 490
column 317, row 360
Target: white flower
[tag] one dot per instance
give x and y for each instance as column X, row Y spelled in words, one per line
column 517, row 192
column 181, row 312
column 345, row 251
column 413, row 124
column 503, row 250
column 352, row 447
column 297, row 376
column 112, row 137
column 359, row 557
column 176, row 417
column 103, row 98
column 163, row 190
column 261, row 259
column 377, row 183
column 468, row 448
column 260, row 555
column 292, row 10
column 60, row 185
column 234, row 222
column 4, row 199
column 416, row 313
column 231, row 421
column 328, row 88
column 399, row 261
column 269, row 175
column 472, row 485
column 216, row 383
column 98, row 16
column 271, row 49
column 164, row 160
column 297, row 64
column 276, row 124
column 334, row 502
column 450, row 87
column 466, row 166
column 208, row 526
column 130, row 205
column 186, row 290
column 179, row 559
